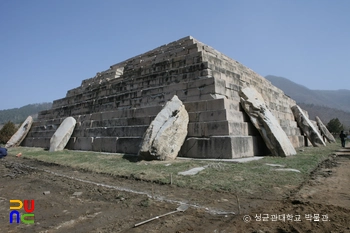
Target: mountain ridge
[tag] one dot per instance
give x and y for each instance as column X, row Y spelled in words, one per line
column 327, row 104
column 337, row 99
column 18, row 115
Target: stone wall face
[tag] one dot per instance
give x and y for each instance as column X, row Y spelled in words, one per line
column 114, row 109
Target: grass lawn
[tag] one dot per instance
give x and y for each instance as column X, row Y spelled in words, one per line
column 247, row 179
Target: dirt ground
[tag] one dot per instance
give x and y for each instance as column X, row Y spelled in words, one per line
column 81, row 201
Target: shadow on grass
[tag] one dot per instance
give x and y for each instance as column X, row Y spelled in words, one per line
column 131, row 158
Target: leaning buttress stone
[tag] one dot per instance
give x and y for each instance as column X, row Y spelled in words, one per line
column 324, row 130
column 307, row 127
column 265, row 122
column 167, row 132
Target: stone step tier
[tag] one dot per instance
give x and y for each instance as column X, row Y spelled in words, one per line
column 213, row 123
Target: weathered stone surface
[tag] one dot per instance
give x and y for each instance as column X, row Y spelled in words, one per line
column 167, row 132
column 62, row 135
column 218, row 147
column 266, row 123
column 307, row 127
column 192, row 171
column 324, row 130
column 21, row 133
column 114, row 109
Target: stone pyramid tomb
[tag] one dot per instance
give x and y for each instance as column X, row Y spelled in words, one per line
column 113, row 109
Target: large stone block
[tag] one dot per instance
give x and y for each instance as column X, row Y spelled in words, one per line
column 217, row 128
column 196, row 106
column 60, row 138
column 41, row 142
column 265, row 122
column 218, row 147
column 216, row 115
column 307, row 127
column 20, row 134
column 28, row 142
column 130, row 145
column 324, row 130
column 297, row 140
column 105, row 144
column 83, row 143
column 167, row 132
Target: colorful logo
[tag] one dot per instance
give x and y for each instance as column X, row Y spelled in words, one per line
column 28, row 217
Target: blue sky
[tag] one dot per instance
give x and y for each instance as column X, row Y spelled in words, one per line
column 49, row 47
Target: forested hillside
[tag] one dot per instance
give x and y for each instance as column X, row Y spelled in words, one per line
column 325, row 104
column 336, row 99
column 326, row 114
column 18, row 115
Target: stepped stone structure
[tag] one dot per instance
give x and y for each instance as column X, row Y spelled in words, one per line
column 114, row 108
